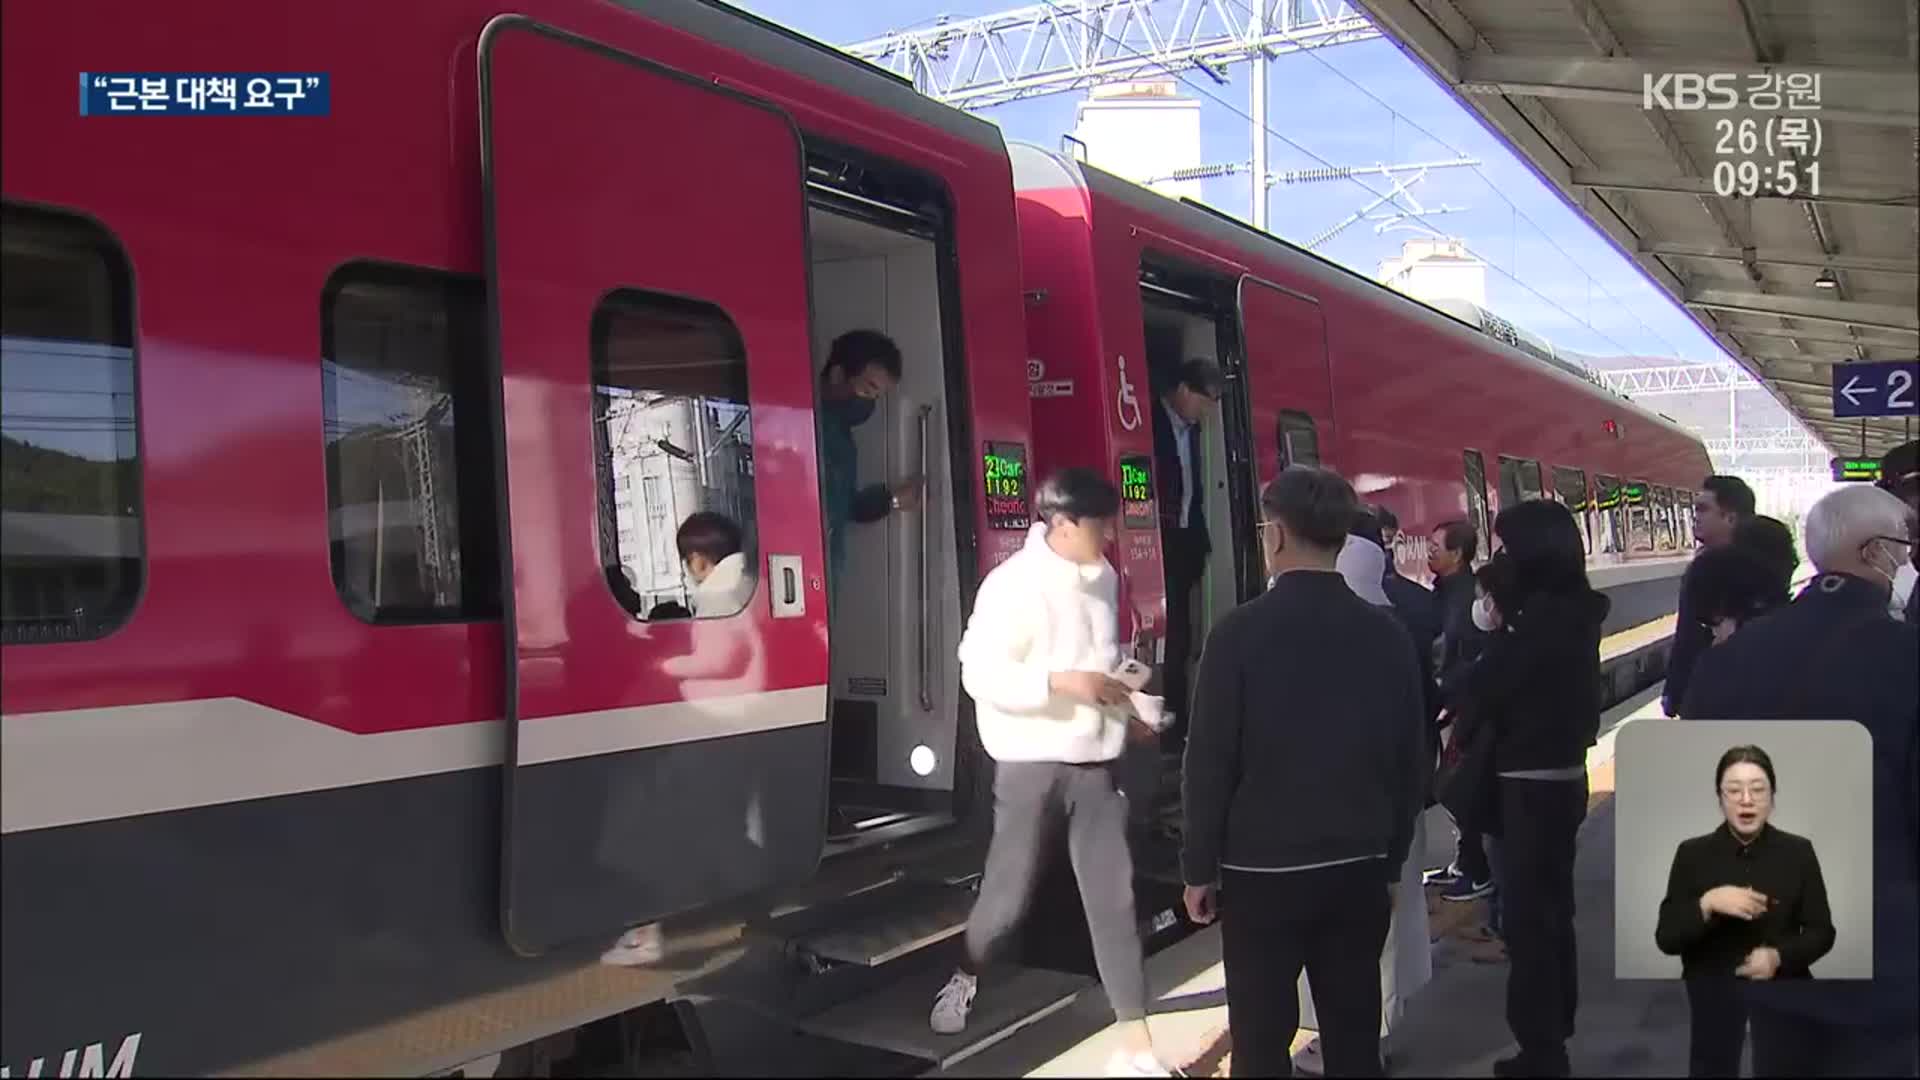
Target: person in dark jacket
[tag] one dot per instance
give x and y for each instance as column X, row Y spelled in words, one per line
column 1414, row 602
column 1453, row 546
column 1301, row 787
column 1185, row 542
column 1723, row 503
column 862, row 367
column 1540, row 691
column 1835, row 653
column 1745, row 901
column 1732, row 585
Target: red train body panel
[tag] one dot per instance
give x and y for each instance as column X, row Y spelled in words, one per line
column 302, row 807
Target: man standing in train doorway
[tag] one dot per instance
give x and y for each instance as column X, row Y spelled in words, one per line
column 862, row 367
column 1192, row 390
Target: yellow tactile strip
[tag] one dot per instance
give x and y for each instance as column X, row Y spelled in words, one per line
column 505, row 1018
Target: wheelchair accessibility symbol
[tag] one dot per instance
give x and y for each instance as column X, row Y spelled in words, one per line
column 1126, row 406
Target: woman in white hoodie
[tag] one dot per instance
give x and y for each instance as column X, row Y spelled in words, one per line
column 1037, row 658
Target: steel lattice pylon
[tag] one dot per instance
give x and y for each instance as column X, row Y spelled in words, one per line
column 1049, row 48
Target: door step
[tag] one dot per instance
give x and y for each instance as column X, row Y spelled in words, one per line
column 895, row 1017
column 878, row 925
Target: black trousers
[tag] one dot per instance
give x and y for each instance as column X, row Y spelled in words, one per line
column 1790, row 1044
column 1471, row 857
column 1539, row 822
column 1719, row 1026
column 1333, row 923
column 1185, row 560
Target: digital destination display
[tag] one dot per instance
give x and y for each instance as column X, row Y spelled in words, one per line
column 1005, row 479
column 1136, row 492
column 1854, row 469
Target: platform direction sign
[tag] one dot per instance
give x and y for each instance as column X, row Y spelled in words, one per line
column 1885, row 388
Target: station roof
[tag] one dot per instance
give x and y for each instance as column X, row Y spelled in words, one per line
column 1562, row 82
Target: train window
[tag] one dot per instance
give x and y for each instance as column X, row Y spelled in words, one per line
column 1663, row 519
column 1299, row 439
column 71, row 553
column 405, row 401
column 1570, row 486
column 1639, row 517
column 1519, row 481
column 1476, row 476
column 673, row 437
column 1609, row 501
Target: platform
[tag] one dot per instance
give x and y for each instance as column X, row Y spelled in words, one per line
column 1455, row 1026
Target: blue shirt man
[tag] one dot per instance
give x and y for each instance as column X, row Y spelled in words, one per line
column 862, row 367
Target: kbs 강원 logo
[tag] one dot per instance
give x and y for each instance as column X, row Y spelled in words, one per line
column 1678, row 91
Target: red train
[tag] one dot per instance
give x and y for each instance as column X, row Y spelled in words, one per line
column 342, row 462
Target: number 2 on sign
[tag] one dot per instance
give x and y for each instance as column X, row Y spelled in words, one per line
column 1900, row 389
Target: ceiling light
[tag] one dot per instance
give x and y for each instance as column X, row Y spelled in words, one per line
column 1826, row 280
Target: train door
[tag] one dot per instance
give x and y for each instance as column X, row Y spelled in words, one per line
column 648, row 276
column 1189, row 315
column 882, row 261
column 1290, row 377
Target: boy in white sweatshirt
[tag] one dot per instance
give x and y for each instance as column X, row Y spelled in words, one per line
column 1036, row 658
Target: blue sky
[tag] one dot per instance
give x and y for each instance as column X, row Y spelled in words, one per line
column 1363, row 104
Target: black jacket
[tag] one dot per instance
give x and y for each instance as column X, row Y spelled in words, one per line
column 1307, row 743
column 1460, row 640
column 1538, row 684
column 1171, row 484
column 1835, row 654
column 1690, row 639
column 1798, row 922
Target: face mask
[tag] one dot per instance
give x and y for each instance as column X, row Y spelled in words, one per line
column 851, row 411
column 1889, row 570
column 1903, row 582
column 1483, row 615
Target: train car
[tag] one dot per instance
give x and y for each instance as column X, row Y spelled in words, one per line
column 344, row 457
column 1427, row 415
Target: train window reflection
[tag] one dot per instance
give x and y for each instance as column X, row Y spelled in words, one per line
column 673, row 444
column 71, row 551
column 410, row 500
column 1299, row 439
column 1570, row 486
column 1476, row 477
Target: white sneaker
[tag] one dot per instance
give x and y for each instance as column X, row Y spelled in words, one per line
column 636, row 948
column 953, row 1003
column 1143, row 1064
column 1308, row 1061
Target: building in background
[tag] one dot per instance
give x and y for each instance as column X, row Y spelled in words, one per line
column 1141, row 130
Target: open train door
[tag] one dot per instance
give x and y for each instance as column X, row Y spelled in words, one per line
column 1289, row 377
column 647, row 263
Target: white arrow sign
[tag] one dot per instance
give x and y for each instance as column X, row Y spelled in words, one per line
column 1850, row 390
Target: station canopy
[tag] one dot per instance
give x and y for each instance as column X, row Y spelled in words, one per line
column 1789, row 282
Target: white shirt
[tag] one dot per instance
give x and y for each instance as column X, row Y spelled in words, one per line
column 1038, row 613
column 725, row 591
column 1183, row 446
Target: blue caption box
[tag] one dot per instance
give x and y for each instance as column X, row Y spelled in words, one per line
column 204, row 93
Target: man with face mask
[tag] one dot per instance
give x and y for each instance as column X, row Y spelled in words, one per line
column 863, row 366
column 1835, row 654
column 1900, row 474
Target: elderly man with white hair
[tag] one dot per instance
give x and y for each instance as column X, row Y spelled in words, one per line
column 1835, row 653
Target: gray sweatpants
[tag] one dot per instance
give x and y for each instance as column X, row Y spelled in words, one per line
column 1028, row 796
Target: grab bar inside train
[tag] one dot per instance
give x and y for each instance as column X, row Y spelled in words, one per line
column 926, row 568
